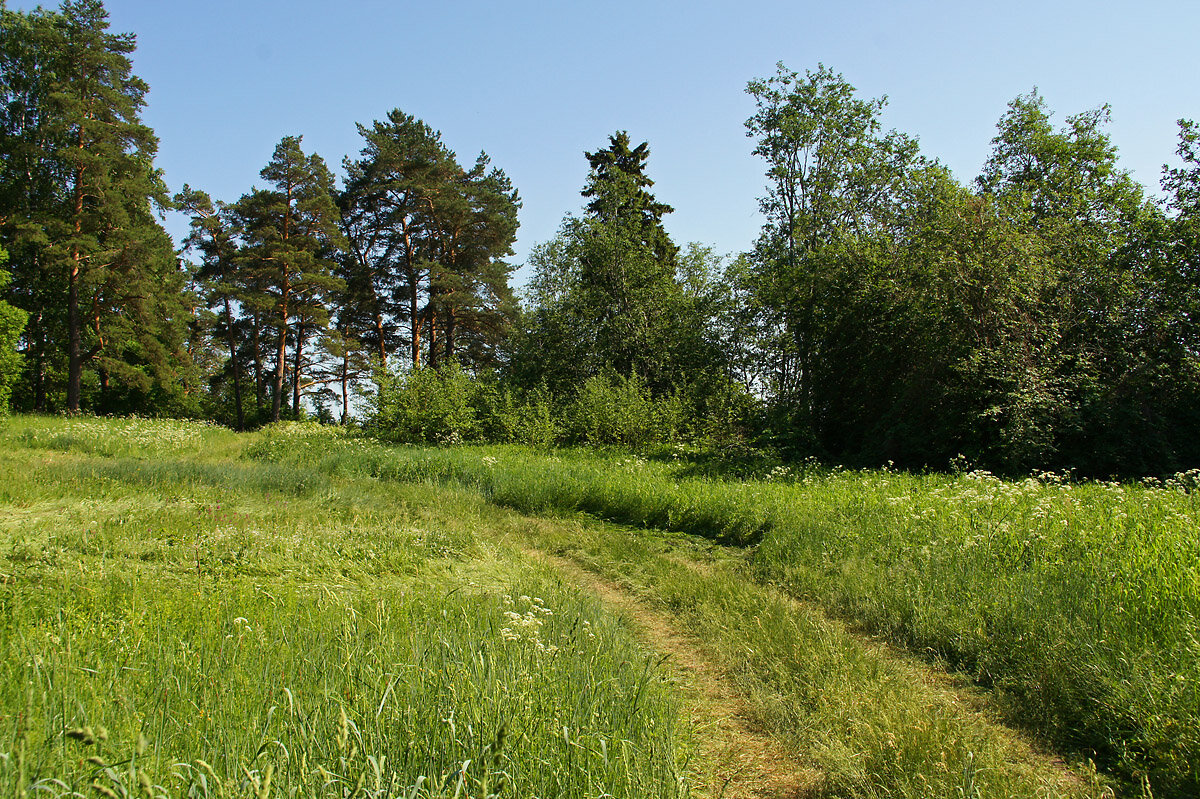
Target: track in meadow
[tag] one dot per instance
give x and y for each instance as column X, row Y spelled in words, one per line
column 744, row 761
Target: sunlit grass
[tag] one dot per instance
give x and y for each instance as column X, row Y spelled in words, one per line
column 1079, row 602
column 175, row 624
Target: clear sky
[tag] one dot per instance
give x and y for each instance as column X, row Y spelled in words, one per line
column 537, row 83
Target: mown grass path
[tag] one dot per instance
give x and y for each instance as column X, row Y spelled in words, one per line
column 738, row 758
column 857, row 739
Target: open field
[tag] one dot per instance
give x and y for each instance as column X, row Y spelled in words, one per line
column 233, row 609
column 205, row 627
column 1079, row 603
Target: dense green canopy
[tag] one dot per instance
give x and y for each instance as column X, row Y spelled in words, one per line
column 1042, row 316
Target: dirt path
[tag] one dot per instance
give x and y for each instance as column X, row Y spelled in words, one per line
column 742, row 761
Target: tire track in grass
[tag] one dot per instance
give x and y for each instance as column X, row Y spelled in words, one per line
column 740, row 760
column 743, row 756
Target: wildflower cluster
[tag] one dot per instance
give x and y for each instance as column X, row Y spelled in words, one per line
column 526, row 626
column 779, row 474
column 113, row 437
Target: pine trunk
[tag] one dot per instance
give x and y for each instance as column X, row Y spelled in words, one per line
column 414, row 316
column 237, row 368
column 39, row 368
column 258, row 367
column 299, row 360
column 280, row 360
column 74, row 336
column 345, row 387
column 281, row 353
column 379, row 334
column 433, row 340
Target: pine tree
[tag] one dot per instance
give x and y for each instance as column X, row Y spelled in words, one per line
column 392, row 198
column 93, row 265
column 291, row 238
column 476, row 222
column 214, row 236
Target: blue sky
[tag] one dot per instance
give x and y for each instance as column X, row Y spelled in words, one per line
column 537, row 83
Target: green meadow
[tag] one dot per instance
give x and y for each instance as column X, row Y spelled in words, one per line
column 193, row 612
column 179, row 622
column 1077, row 603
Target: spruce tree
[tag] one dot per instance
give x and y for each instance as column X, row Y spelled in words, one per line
column 607, row 293
column 619, row 189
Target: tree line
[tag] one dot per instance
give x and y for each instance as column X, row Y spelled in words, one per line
column 297, row 288
column 1042, row 316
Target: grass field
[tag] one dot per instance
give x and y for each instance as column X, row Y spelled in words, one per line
column 175, row 622
column 187, row 611
column 1078, row 603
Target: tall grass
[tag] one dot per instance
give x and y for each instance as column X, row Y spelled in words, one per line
column 404, row 691
column 175, row 624
column 1080, row 602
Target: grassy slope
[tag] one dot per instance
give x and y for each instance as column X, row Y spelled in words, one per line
column 1080, row 602
column 136, row 567
column 172, row 616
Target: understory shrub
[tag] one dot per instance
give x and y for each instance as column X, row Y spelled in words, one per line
column 424, row 406
column 445, row 405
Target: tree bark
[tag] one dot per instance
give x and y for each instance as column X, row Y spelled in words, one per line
column 298, row 362
column 414, row 320
column 345, row 387
column 74, row 337
column 281, row 354
column 280, row 359
column 39, row 359
column 237, row 368
column 379, row 334
column 258, row 366
column 433, row 341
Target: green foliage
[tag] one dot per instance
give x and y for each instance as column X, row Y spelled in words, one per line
column 611, row 293
column 290, row 235
column 12, row 322
column 426, row 242
column 447, row 406
column 425, row 405
column 532, row 420
column 614, row 410
column 897, row 315
column 91, row 263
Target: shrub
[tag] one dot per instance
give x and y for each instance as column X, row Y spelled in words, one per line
column 610, row 409
column 12, row 322
column 533, row 420
column 424, row 405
